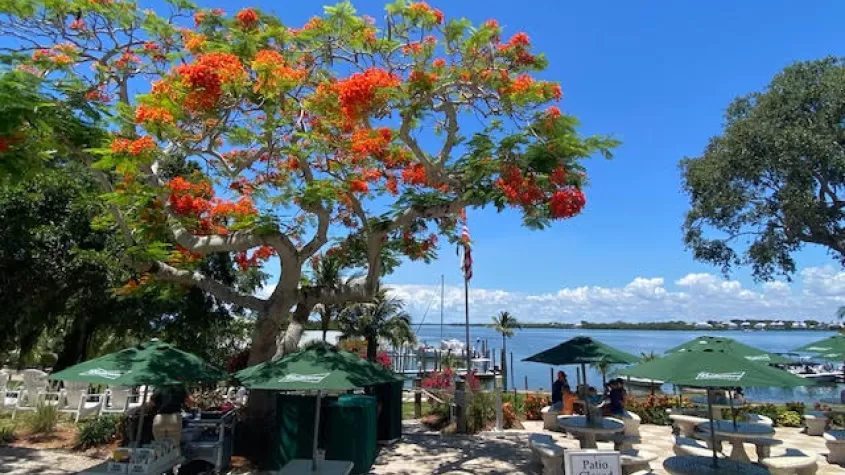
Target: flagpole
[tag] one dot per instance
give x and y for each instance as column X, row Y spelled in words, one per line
column 466, row 314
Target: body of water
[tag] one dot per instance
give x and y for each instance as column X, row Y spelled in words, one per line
column 529, row 341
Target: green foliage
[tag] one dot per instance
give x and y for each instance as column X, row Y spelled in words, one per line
column 769, row 410
column 100, row 431
column 789, row 419
column 43, row 420
column 798, row 407
column 774, row 179
column 383, row 317
column 481, row 411
column 652, row 409
column 7, row 431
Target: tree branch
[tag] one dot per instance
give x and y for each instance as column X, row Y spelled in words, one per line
column 224, row 292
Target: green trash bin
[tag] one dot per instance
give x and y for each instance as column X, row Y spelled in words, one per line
column 351, row 430
column 389, row 396
column 294, row 434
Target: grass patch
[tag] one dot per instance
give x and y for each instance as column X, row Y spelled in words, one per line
column 101, row 431
column 7, row 432
column 43, row 420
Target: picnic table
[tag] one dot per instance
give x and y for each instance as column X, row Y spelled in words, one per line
column 694, row 465
column 586, row 432
column 739, row 433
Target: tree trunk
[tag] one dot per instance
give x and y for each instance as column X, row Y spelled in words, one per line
column 75, row 344
column 261, row 407
column 372, row 347
column 505, row 368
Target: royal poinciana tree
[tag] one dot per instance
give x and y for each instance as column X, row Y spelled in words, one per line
column 347, row 135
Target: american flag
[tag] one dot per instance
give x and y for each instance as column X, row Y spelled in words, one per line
column 466, row 264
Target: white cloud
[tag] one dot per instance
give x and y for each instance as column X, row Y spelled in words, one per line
column 693, row 297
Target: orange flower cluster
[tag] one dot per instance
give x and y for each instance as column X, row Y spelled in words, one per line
column 227, row 66
column 204, row 84
column 194, row 42
column 371, row 142
column 59, row 59
column 439, row 63
column 98, row 95
column 259, row 255
column 188, row 199
column 553, row 112
column 517, row 48
column 558, row 176
column 422, row 8
column 414, row 175
column 78, row 25
column 358, row 93
column 135, row 147
column 521, row 84
column 247, row 18
column 422, row 78
column 146, row 113
column 517, row 188
column 358, row 185
column 272, row 71
column 567, row 203
column 243, row 207
column 127, row 60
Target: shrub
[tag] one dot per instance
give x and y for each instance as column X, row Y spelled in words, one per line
column 443, row 380
column 508, row 415
column 43, row 420
column 533, row 406
column 517, row 401
column 769, row 410
column 481, row 411
column 652, row 410
column 100, row 431
column 796, row 407
column 789, row 419
column 7, row 432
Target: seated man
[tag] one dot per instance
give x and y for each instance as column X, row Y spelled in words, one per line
column 616, row 397
column 557, row 391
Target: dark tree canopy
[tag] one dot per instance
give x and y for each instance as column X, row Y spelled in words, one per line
column 775, row 179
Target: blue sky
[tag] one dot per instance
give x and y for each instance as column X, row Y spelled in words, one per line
column 658, row 76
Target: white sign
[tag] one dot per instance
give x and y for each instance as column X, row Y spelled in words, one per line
column 758, row 358
column 104, row 373
column 304, row 378
column 592, row 462
column 726, row 376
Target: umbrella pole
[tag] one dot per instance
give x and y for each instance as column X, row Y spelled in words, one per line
column 586, row 391
column 712, row 429
column 316, row 433
column 733, row 411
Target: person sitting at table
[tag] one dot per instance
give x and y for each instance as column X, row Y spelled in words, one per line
column 593, row 396
column 557, row 391
column 616, row 397
column 739, row 397
column 167, row 423
column 569, row 399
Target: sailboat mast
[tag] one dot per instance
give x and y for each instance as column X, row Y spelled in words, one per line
column 442, row 288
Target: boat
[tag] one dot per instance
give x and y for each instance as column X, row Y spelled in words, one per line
column 641, row 384
column 818, row 372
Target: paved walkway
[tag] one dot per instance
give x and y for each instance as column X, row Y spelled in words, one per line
column 19, row 461
column 421, row 452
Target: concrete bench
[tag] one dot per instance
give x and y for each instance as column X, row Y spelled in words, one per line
column 688, row 446
column 758, row 419
column 620, row 441
column 634, row 460
column 764, row 446
column 815, row 422
column 793, row 463
column 686, row 424
column 547, row 452
column 550, row 419
column 835, row 442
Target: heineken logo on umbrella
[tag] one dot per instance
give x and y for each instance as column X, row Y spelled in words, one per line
column 733, row 376
column 103, row 373
column 758, row 358
column 304, row 378
column 817, row 348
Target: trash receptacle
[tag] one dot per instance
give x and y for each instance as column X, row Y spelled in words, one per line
column 389, row 396
column 351, row 431
column 294, row 429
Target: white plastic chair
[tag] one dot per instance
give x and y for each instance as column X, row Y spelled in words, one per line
column 119, row 400
column 8, row 399
column 34, row 390
column 76, row 400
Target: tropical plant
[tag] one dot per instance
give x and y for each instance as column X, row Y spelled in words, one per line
column 775, row 177
column 506, row 324
column 7, row 431
column 481, row 411
column 383, row 317
column 533, row 406
column 327, row 273
column 100, row 431
column 602, row 366
column 43, row 419
column 305, row 135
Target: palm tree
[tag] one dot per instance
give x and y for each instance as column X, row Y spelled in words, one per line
column 327, row 273
column 602, row 365
column 840, row 313
column 505, row 323
column 382, row 317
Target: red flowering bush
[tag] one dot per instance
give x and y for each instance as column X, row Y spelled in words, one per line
column 443, row 380
column 508, row 415
column 533, row 406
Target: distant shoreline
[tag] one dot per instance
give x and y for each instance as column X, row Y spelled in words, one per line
column 664, row 326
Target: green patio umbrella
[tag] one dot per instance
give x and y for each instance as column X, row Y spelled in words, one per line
column 316, row 369
column 582, row 350
column 832, row 347
column 733, row 346
column 153, row 363
column 713, row 368
column 322, row 368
